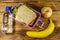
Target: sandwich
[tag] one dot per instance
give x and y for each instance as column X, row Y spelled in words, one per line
column 25, row 15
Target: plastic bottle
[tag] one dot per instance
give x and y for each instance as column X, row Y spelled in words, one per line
column 8, row 21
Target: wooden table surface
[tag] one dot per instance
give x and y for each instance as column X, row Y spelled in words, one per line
column 19, row 34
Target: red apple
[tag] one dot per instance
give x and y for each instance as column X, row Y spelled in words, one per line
column 46, row 12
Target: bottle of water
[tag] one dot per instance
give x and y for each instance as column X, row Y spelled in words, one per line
column 8, row 21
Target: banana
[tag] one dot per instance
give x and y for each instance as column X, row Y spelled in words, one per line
column 44, row 33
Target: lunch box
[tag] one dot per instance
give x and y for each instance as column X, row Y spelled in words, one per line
column 37, row 19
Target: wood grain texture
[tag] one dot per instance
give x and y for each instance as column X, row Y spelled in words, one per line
column 29, row 0
column 54, row 5
column 19, row 30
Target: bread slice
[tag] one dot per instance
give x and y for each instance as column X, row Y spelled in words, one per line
column 25, row 14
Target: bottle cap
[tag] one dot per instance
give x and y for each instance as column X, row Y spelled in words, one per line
column 8, row 8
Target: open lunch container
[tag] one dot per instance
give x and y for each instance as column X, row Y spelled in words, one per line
column 36, row 20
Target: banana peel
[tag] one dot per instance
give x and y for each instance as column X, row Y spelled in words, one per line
column 42, row 34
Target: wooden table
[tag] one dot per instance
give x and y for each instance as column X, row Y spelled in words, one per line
column 20, row 35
